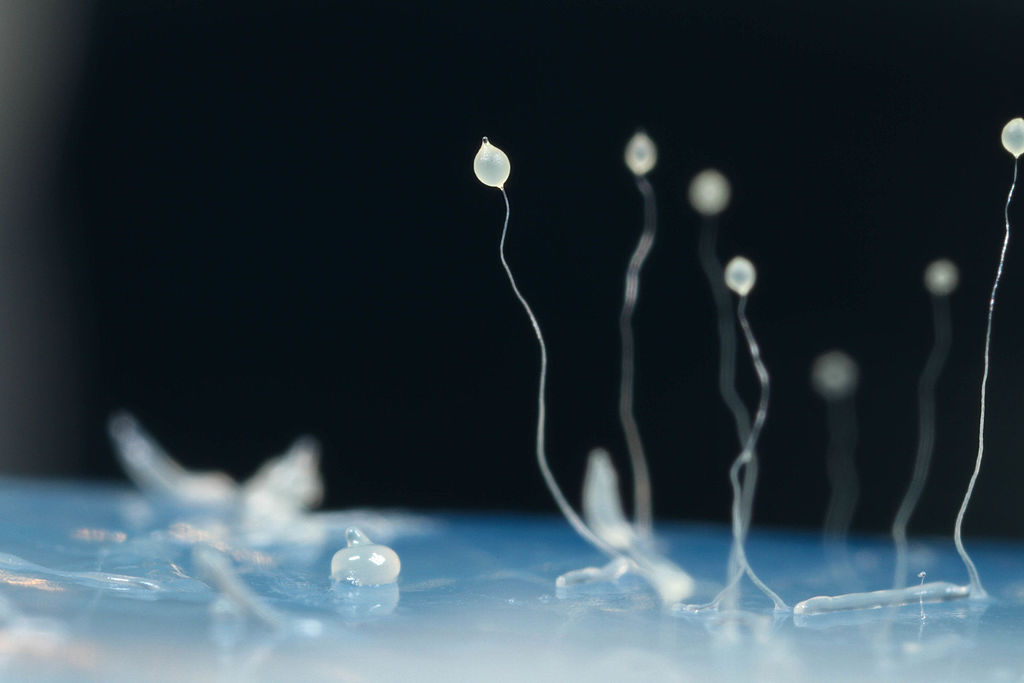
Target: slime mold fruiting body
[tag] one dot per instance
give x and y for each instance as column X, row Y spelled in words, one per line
column 740, row 276
column 940, row 279
column 834, row 377
column 641, row 156
column 491, row 167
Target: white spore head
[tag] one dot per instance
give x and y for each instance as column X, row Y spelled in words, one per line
column 941, row 277
column 710, row 192
column 740, row 275
column 363, row 562
column 1013, row 137
column 641, row 154
column 491, row 165
column 834, row 375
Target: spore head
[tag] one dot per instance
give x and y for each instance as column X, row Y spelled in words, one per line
column 641, row 154
column 491, row 165
column 709, row 192
column 941, row 277
column 740, row 275
column 834, row 375
column 1013, row 137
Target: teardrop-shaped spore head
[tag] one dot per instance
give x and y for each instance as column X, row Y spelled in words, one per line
column 641, row 154
column 1013, row 137
column 491, row 165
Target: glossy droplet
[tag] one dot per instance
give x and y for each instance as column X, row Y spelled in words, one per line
column 363, row 562
column 491, row 165
column 1013, row 137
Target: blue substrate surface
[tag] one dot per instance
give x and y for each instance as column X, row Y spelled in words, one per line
column 476, row 600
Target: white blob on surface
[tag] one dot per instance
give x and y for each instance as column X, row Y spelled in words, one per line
column 672, row 584
column 289, row 483
column 1013, row 137
column 941, row 277
column 834, row 375
column 740, row 275
column 610, row 573
column 710, row 192
column 602, row 507
column 641, row 154
column 491, row 165
column 218, row 571
column 937, row 591
column 158, row 474
column 363, row 562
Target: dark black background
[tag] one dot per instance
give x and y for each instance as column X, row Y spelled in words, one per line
column 274, row 228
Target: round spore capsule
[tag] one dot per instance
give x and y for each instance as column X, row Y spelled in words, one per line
column 710, row 192
column 834, row 375
column 941, row 277
column 1013, row 137
column 740, row 275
